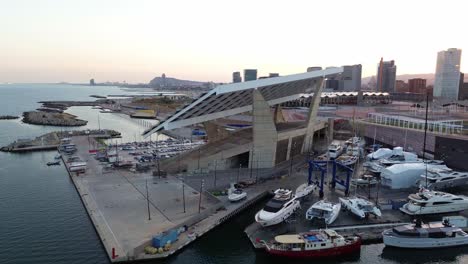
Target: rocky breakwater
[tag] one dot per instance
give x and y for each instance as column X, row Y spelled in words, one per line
column 52, row 119
column 8, row 117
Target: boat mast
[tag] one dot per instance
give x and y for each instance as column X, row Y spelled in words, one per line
column 425, row 135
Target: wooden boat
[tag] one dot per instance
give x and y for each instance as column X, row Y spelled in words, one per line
column 313, row 245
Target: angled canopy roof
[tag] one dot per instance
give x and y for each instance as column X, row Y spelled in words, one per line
column 235, row 98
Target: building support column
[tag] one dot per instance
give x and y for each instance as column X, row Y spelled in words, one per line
column 313, row 110
column 265, row 136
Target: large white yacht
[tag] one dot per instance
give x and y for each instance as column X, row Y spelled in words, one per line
column 445, row 178
column 278, row 209
column 399, row 157
column 360, row 207
column 423, row 236
column 434, row 202
column 324, row 210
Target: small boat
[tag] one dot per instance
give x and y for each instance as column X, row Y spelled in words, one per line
column 334, row 150
column 304, row 190
column 236, row 194
column 324, row 210
column 323, row 157
column 434, row 202
column 347, row 160
column 313, row 245
column 425, row 236
column 58, row 156
column 364, row 181
column 360, row 207
column 445, row 178
column 278, row 209
column 52, row 163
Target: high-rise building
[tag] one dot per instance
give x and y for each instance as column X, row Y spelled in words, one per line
column 463, row 88
column 236, row 77
column 417, row 85
column 447, row 77
column 314, row 68
column 386, row 76
column 332, row 84
column 250, row 75
column 350, row 80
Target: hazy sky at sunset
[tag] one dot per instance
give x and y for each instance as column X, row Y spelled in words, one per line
column 65, row 40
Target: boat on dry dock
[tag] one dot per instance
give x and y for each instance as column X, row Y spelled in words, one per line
column 304, row 190
column 434, row 202
column 236, row 194
column 443, row 178
column 313, row 245
column 278, row 209
column 323, row 210
column 360, row 207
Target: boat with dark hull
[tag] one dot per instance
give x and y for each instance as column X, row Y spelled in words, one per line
column 425, row 236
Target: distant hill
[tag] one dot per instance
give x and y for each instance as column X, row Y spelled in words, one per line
column 405, row 77
column 173, row 82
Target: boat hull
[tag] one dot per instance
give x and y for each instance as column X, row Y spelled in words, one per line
column 279, row 217
column 348, row 249
column 423, row 243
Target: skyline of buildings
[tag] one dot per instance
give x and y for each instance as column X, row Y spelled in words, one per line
column 386, row 76
column 447, row 74
column 250, row 75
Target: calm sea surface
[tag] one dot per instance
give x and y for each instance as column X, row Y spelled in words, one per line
column 42, row 219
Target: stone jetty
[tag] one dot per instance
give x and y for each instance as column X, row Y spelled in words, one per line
column 52, row 119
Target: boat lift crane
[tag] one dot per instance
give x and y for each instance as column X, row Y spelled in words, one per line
column 315, row 165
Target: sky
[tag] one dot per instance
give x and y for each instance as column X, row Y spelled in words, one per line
column 137, row 40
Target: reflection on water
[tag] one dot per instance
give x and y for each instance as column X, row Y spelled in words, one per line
column 441, row 255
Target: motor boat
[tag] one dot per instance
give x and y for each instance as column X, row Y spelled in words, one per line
column 425, row 236
column 278, row 209
column 381, row 153
column 439, row 179
column 360, row 207
column 324, row 210
column 347, row 160
column 236, row 194
column 355, row 146
column 58, row 156
column 304, row 190
column 313, row 245
column 434, row 202
column 365, row 180
column 398, row 157
column 52, row 163
column 323, row 157
column 334, row 150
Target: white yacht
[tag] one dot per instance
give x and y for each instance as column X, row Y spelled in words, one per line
column 324, row 210
column 439, row 179
column 424, row 236
column 236, row 194
column 381, row 153
column 278, row 209
column 355, row 146
column 434, row 202
column 335, row 149
column 360, row 207
column 398, row 157
column 304, row 190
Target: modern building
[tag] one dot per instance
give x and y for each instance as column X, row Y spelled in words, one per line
column 401, row 86
column 314, row 68
column 250, row 75
column 350, row 80
column 236, row 77
column 332, row 84
column 386, row 76
column 447, row 77
column 417, row 85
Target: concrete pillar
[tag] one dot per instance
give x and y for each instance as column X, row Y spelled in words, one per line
column 288, row 153
column 265, row 136
column 314, row 105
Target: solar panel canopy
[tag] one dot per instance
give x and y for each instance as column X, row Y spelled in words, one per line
column 235, row 98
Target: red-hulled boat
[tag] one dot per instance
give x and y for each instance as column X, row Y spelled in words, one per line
column 311, row 245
